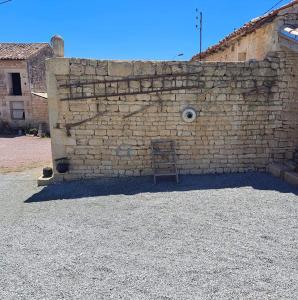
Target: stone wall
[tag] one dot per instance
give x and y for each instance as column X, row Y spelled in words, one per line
column 40, row 113
column 37, row 69
column 287, row 93
column 247, row 115
column 255, row 45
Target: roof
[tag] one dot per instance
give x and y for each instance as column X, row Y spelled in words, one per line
column 244, row 30
column 42, row 95
column 20, row 51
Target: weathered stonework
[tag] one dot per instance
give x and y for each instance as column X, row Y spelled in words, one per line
column 247, row 116
column 37, row 70
column 33, row 81
column 254, row 41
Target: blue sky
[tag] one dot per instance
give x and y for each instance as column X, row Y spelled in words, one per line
column 126, row 29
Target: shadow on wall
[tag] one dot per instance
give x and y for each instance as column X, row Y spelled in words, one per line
column 137, row 185
column 10, row 136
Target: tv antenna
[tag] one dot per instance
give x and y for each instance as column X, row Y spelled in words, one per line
column 199, row 26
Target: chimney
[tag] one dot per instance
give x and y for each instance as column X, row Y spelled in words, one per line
column 57, row 44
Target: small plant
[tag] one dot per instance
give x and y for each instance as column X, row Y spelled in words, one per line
column 33, row 131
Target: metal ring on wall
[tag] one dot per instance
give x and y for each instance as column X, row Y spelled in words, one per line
column 189, row 115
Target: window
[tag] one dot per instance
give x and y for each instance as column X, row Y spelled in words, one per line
column 290, row 32
column 14, row 84
column 17, row 110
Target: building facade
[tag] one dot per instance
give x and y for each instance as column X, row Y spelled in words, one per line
column 276, row 31
column 23, row 92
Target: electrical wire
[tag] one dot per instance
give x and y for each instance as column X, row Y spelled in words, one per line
column 273, row 6
column 3, row 2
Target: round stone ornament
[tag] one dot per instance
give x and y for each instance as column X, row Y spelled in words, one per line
column 189, row 115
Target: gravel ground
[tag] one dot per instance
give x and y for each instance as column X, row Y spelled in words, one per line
column 210, row 237
column 18, row 153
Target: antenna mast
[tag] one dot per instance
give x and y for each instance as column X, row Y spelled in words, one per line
column 201, row 31
column 199, row 25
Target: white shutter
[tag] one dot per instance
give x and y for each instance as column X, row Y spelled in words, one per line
column 17, row 110
column 17, row 105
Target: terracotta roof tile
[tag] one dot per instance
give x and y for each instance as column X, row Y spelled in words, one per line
column 19, row 51
column 245, row 29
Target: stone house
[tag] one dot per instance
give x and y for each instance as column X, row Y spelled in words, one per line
column 222, row 116
column 273, row 32
column 23, row 92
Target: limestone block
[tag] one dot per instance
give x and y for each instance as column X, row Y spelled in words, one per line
column 179, row 67
column 124, row 108
column 42, row 181
column 92, row 62
column 263, row 72
column 134, row 108
column 120, row 68
column 102, row 68
column 81, row 151
column 186, row 97
column 70, row 142
column 143, row 68
column 123, row 86
column 221, row 97
column 84, row 132
column 158, row 83
column 90, row 70
column 146, row 84
column 58, row 66
column 143, row 97
column 101, row 132
column 163, row 68
column 114, row 132
column 77, row 70
column 77, row 107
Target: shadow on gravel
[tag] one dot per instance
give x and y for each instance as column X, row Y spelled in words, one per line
column 136, row 185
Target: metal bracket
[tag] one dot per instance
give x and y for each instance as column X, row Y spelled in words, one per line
column 68, row 126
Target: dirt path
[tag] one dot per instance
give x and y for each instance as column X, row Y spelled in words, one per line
column 24, row 152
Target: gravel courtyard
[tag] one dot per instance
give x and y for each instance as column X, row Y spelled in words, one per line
column 210, row 237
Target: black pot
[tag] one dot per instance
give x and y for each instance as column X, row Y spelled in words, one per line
column 62, row 167
column 47, row 172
